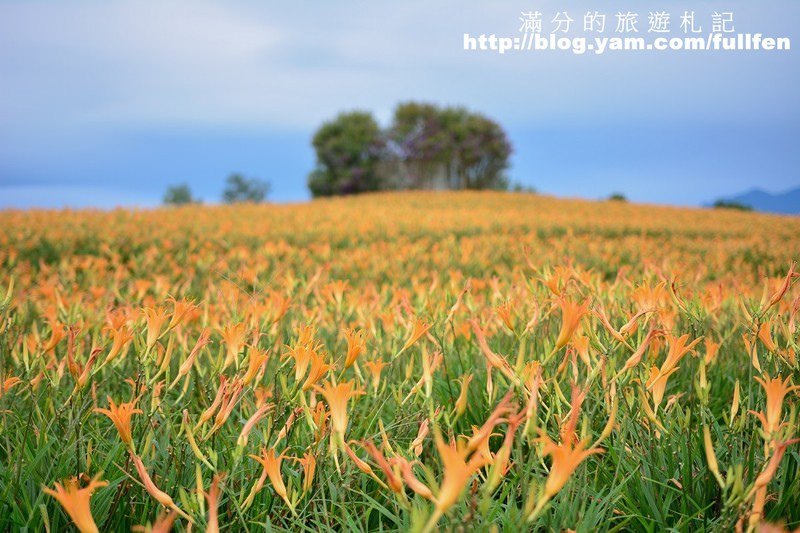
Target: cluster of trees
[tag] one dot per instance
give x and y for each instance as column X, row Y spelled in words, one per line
column 238, row 188
column 424, row 147
column 731, row 204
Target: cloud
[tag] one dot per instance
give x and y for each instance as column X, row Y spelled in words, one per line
column 96, row 65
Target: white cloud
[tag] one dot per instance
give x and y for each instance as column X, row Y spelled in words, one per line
column 94, row 67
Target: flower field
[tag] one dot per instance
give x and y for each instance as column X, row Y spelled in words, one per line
column 455, row 361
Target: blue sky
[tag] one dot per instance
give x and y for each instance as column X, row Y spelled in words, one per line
column 106, row 103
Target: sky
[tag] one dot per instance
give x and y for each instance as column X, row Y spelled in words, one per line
column 107, row 103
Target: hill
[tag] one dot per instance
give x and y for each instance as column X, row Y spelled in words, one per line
column 399, row 362
column 787, row 202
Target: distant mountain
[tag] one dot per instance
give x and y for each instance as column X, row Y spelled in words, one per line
column 787, row 202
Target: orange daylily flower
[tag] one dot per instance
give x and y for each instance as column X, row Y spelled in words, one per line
column 76, row 501
column 320, row 418
column 375, row 368
column 411, row 480
column 566, row 459
column 337, row 397
column 212, row 497
column 58, row 330
column 771, row 468
column 533, row 383
column 356, row 345
column 280, row 305
column 580, row 343
column 458, row 469
column 163, row 524
column 775, row 390
column 230, row 398
column 234, row 336
column 155, row 319
column 260, row 413
column 8, row 383
column 461, row 401
column 255, row 362
column 500, row 461
column 657, row 382
column 272, row 468
column 181, row 310
column 318, row 370
column 361, row 465
column 493, row 360
column 419, row 440
column 636, row 357
column 459, row 462
column 81, row 373
column 334, row 291
column 121, row 338
column 480, row 436
column 783, row 287
column 765, row 335
column 759, row 491
column 571, row 315
column 222, row 394
column 121, row 416
column 556, row 280
column 160, row 496
column 566, row 456
column 420, row 328
column 186, row 366
column 712, row 348
column 303, row 351
column 392, row 477
column 309, row 464
column 506, row 313
column 458, row 465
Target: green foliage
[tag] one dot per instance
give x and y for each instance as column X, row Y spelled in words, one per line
column 727, row 204
column 470, row 150
column 425, row 147
column 617, row 197
column 238, row 263
column 179, row 195
column 349, row 150
column 241, row 189
column 522, row 188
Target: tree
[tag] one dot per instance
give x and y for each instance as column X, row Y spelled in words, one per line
column 479, row 150
column 425, row 147
column 241, row 189
column 179, row 195
column 349, row 151
column 450, row 147
column 731, row 204
column 520, row 187
column 420, row 147
column 617, row 197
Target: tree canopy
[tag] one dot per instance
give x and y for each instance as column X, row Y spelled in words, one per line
column 425, row 147
column 349, row 151
column 179, row 195
column 241, row 189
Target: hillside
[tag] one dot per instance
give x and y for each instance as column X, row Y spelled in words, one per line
column 398, row 362
column 385, row 220
column 787, row 202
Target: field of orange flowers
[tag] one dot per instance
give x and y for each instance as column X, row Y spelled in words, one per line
column 455, row 361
